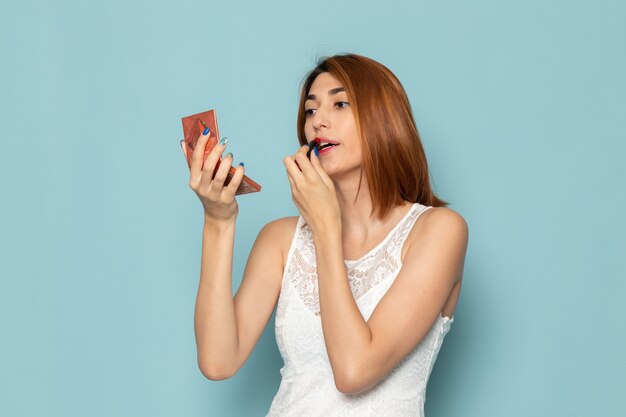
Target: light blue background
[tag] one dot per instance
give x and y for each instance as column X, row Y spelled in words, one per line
column 522, row 111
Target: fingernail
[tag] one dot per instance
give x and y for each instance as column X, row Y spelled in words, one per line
column 181, row 143
column 316, row 152
column 240, row 164
column 229, row 153
column 206, row 130
column 223, row 141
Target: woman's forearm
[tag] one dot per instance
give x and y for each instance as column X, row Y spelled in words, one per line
column 346, row 333
column 214, row 319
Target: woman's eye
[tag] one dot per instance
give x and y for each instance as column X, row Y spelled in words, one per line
column 309, row 112
column 342, row 104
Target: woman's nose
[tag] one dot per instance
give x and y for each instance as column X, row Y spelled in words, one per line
column 320, row 119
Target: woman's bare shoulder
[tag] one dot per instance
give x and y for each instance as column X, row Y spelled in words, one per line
column 436, row 220
column 283, row 225
column 442, row 220
column 443, row 215
column 282, row 231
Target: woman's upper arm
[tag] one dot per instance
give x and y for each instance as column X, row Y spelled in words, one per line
column 260, row 286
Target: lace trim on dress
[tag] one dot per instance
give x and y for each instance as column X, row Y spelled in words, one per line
column 365, row 273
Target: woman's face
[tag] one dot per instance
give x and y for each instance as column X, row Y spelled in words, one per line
column 329, row 118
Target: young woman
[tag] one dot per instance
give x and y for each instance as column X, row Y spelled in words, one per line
column 365, row 280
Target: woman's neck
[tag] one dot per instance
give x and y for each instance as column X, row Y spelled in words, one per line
column 356, row 220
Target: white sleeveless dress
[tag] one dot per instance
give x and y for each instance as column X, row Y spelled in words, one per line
column 307, row 388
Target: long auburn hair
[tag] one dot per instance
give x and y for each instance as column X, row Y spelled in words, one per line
column 393, row 156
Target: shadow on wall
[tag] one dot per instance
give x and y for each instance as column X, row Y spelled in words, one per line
column 462, row 346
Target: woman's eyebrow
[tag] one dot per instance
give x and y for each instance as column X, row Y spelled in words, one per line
column 331, row 92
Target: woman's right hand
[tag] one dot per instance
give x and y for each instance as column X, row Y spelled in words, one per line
column 218, row 200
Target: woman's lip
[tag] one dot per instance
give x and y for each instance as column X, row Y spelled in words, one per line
column 326, row 150
column 322, row 140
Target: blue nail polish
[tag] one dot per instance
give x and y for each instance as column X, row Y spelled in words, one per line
column 316, row 152
column 181, row 143
column 223, row 141
column 240, row 164
column 206, row 130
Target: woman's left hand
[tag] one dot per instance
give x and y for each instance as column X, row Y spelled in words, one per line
column 312, row 190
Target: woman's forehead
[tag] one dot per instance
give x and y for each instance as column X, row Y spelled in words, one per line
column 324, row 84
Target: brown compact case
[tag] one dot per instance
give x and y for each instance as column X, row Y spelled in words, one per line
column 193, row 126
